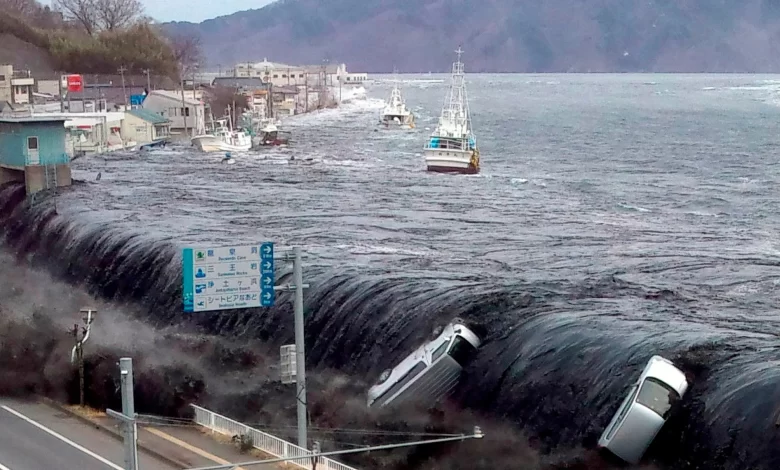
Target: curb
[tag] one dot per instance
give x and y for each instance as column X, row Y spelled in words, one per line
column 111, row 432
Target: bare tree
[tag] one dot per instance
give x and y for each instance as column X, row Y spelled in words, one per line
column 118, row 14
column 81, row 12
column 186, row 50
column 101, row 15
column 20, row 8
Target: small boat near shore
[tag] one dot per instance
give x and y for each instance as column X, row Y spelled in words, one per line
column 270, row 135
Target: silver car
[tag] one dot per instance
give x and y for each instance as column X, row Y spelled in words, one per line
column 430, row 372
column 645, row 410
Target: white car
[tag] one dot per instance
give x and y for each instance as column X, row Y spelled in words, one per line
column 645, row 410
column 430, row 372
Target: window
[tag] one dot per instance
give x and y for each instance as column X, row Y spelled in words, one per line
column 32, row 143
column 300, row 76
column 439, row 351
column 657, row 396
column 624, row 407
column 462, row 351
column 284, row 75
column 185, row 112
column 276, row 76
column 414, row 372
column 2, row 78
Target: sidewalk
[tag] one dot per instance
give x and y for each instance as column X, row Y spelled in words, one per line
column 181, row 446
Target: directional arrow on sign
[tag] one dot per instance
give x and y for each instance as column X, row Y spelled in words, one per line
column 267, row 265
column 267, row 249
column 267, row 296
column 267, row 280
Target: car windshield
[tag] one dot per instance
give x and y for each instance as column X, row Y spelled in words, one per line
column 657, row 396
column 462, row 351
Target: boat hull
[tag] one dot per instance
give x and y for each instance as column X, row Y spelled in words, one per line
column 452, row 161
column 210, row 143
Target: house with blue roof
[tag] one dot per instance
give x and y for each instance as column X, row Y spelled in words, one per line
column 33, row 151
column 146, row 128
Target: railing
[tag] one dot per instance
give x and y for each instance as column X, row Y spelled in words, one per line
column 265, row 442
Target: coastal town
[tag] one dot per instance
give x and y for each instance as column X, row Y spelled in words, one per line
column 96, row 114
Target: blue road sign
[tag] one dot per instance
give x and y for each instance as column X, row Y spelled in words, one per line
column 227, row 278
column 267, row 274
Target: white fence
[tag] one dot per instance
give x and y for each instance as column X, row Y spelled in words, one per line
column 267, row 443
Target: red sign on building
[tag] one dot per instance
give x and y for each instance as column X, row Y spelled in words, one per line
column 75, row 83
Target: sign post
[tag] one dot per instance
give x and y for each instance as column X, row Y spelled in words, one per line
column 244, row 277
column 228, row 278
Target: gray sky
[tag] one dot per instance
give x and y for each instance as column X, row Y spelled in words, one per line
column 194, row 10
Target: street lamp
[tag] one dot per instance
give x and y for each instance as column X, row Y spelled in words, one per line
column 77, row 353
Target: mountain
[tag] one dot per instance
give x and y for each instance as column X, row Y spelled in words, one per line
column 502, row 35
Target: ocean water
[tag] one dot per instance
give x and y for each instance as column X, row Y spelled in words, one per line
column 615, row 217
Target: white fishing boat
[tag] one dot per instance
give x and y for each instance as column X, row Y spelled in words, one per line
column 395, row 110
column 452, row 147
column 223, row 138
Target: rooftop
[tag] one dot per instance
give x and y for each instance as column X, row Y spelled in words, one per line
column 241, row 82
column 31, row 119
column 148, row 116
column 176, row 95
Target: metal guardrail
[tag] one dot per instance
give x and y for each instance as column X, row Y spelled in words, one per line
column 263, row 441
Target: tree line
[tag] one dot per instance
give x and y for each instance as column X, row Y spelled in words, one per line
column 99, row 36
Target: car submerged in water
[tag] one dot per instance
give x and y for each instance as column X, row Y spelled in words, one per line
column 430, row 372
column 644, row 411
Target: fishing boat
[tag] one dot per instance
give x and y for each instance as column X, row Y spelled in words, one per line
column 452, row 146
column 223, row 138
column 395, row 110
column 270, row 135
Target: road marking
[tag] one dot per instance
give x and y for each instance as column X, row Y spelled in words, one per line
column 61, row 437
column 189, row 447
column 3, row 467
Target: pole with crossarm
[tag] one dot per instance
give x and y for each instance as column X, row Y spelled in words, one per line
column 300, row 343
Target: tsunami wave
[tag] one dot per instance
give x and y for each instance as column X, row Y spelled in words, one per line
column 557, row 357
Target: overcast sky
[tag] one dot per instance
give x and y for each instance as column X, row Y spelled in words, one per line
column 194, row 10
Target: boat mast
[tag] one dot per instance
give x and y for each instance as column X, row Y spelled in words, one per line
column 456, row 108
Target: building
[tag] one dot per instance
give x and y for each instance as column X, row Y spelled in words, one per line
column 168, row 104
column 15, row 87
column 95, row 132
column 33, row 151
column 145, row 127
column 298, row 75
column 285, row 100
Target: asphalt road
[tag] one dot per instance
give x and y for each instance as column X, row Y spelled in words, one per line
column 34, row 436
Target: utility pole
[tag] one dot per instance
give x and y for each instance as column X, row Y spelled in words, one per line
column 306, row 90
column 300, row 347
column 300, row 355
column 62, row 98
column 127, row 416
column 148, row 80
column 122, row 71
column 183, row 104
column 194, row 98
column 77, row 354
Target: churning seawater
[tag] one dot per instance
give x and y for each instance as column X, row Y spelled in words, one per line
column 615, row 217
